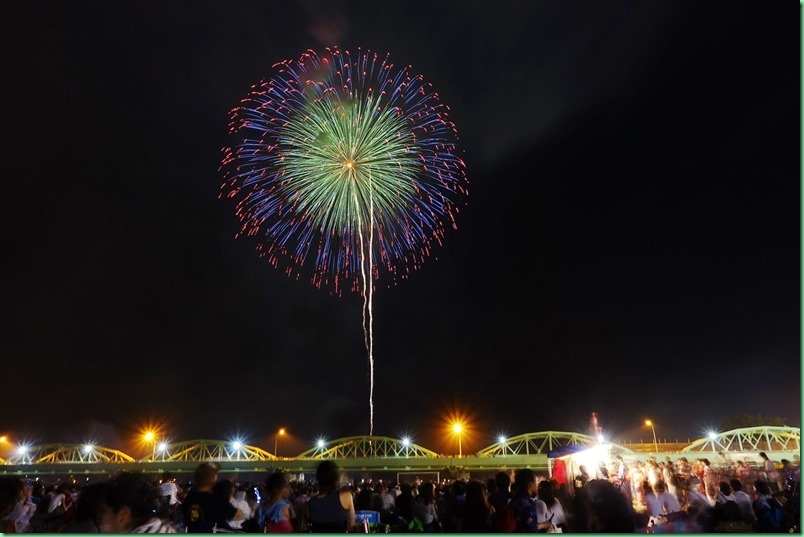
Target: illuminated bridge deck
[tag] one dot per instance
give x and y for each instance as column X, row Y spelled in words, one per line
column 384, row 454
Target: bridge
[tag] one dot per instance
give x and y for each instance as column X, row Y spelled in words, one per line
column 368, row 454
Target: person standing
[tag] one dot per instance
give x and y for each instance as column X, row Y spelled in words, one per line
column 204, row 511
column 58, row 505
column 581, row 478
column 475, row 515
column 768, row 511
column 771, row 475
column 523, row 505
column 12, row 494
column 23, row 511
column 502, row 520
column 224, row 488
column 168, row 494
column 276, row 514
column 668, row 500
column 711, row 481
column 383, row 503
column 169, row 489
column 425, row 508
column 554, row 508
column 331, row 510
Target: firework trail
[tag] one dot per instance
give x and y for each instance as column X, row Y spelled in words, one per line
column 344, row 168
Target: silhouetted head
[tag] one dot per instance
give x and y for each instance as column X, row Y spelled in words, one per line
column 223, row 488
column 475, row 493
column 328, row 475
column 523, row 479
column 546, row 493
column 503, row 481
column 275, row 483
column 762, row 487
column 607, row 509
column 206, row 475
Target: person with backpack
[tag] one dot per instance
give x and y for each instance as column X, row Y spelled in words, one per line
column 727, row 514
column 771, row 516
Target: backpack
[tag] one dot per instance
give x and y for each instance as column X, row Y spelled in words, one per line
column 773, row 520
column 728, row 511
column 503, row 520
column 415, row 525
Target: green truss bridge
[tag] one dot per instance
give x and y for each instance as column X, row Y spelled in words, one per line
column 368, row 454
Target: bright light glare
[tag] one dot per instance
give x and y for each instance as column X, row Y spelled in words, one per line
column 149, row 436
column 600, row 438
column 321, row 443
column 281, row 431
column 406, row 441
column 648, row 423
column 237, row 444
column 22, row 450
column 162, row 447
column 712, row 435
column 88, row 448
column 457, row 428
column 502, row 440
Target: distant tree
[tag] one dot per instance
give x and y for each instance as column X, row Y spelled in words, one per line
column 741, row 421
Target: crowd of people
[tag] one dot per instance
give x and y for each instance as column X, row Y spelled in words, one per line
column 651, row 497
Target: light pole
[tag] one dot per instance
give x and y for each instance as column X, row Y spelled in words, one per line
column 280, row 432
column 457, row 428
column 652, row 428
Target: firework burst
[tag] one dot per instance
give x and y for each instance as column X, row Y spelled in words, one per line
column 340, row 161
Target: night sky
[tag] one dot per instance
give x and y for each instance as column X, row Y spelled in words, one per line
column 630, row 244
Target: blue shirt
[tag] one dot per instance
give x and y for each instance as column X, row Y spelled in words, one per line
column 524, row 511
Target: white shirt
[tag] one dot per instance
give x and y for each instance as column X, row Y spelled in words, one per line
column 239, row 501
column 723, row 498
column 557, row 511
column 743, row 499
column 56, row 499
column 21, row 515
column 542, row 513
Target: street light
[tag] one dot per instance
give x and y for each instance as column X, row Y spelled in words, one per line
column 655, row 443
column 502, row 440
column 713, row 438
column 150, row 436
column 457, row 428
column 280, row 432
